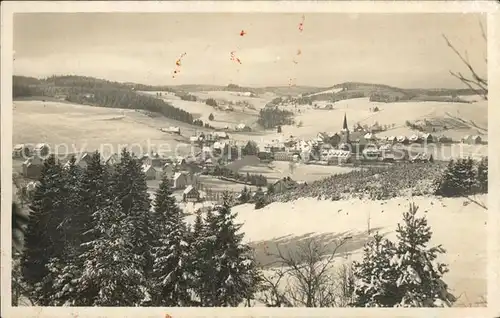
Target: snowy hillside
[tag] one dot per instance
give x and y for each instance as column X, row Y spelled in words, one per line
column 289, row 223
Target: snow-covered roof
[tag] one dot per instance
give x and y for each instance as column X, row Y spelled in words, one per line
column 221, row 134
column 41, row 145
column 145, row 168
column 188, row 189
column 219, row 145
column 178, row 175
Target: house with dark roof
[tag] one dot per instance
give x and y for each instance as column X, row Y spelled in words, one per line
column 284, row 184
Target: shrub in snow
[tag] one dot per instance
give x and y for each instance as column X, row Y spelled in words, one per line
column 404, row 274
column 464, row 177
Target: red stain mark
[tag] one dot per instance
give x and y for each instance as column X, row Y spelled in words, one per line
column 168, row 316
column 301, row 24
column 178, row 64
column 242, row 33
column 235, row 58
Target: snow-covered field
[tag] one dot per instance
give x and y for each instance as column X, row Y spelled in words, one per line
column 459, row 228
column 358, row 110
column 86, row 128
column 328, row 91
column 239, row 115
column 301, row 172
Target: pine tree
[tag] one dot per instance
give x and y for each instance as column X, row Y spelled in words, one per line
column 87, row 193
column 95, row 194
column 65, row 270
column 229, row 275
column 482, row 175
column 374, row 277
column 450, row 184
column 467, row 175
column 109, row 267
column 405, row 274
column 171, row 252
column 129, row 189
column 44, row 238
column 420, row 276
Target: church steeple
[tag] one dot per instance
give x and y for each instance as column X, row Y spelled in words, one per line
column 344, row 126
column 345, row 131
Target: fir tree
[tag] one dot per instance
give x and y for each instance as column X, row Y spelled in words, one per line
column 404, row 274
column 171, row 252
column 72, row 194
column 129, row 189
column 374, row 277
column 65, row 270
column 419, row 275
column 244, row 195
column 89, row 193
column 95, row 194
column 461, row 178
column 109, row 267
column 482, row 176
column 44, row 237
column 230, row 275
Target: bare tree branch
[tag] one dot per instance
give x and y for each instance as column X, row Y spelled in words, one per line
column 477, row 202
column 310, row 281
column 476, row 80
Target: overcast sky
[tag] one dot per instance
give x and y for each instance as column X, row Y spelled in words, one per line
column 405, row 50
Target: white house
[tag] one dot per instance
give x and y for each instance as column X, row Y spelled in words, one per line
column 194, row 139
column 242, row 127
column 174, row 130
column 369, row 136
column 179, row 180
column 221, row 135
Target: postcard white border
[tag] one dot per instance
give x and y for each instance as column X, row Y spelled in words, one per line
column 493, row 32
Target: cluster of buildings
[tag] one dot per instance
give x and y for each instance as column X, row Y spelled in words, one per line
column 359, row 145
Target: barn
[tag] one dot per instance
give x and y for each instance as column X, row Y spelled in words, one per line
column 32, row 167
column 191, row 194
column 284, row 184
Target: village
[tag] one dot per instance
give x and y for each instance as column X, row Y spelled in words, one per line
column 217, row 158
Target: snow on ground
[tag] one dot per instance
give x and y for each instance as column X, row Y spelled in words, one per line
column 461, row 229
column 300, row 172
column 358, row 110
column 87, row 128
column 328, row 91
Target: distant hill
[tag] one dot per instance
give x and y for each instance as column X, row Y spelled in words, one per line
column 96, row 92
column 278, row 90
column 386, row 93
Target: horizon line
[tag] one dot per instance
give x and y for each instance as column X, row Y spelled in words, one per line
column 244, row 86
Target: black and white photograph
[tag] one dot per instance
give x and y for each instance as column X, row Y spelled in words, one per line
column 248, row 159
